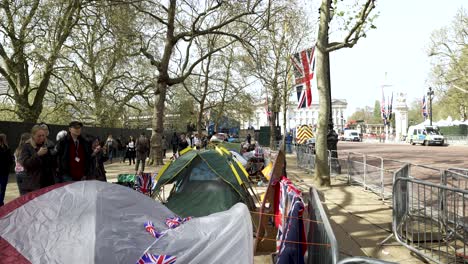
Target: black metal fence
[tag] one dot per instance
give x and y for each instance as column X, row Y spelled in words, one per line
column 13, row 131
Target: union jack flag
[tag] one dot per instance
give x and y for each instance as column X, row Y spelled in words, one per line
column 287, row 195
column 390, row 106
column 424, row 108
column 383, row 111
column 144, row 183
column 148, row 258
column 149, row 226
column 300, row 96
column 304, row 70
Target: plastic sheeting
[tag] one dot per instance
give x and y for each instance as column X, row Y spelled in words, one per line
column 224, row 237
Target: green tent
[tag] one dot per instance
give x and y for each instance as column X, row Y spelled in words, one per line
column 205, row 182
column 228, row 145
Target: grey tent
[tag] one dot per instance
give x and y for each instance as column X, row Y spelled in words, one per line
column 98, row 222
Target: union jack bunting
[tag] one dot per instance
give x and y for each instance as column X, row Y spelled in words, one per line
column 424, row 108
column 173, row 222
column 149, row 226
column 148, row 258
column 304, row 70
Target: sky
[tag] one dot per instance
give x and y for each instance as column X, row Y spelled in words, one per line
column 397, row 47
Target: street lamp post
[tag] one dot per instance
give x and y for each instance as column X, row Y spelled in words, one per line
column 430, row 94
column 342, row 123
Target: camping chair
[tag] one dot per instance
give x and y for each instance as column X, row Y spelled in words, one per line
column 144, row 183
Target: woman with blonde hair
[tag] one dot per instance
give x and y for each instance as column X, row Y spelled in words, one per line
column 6, row 160
column 21, row 176
column 38, row 159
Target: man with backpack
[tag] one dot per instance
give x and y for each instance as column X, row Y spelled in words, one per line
column 142, row 151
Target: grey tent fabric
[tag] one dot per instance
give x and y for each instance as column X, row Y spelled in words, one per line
column 84, row 222
column 98, row 222
column 224, row 237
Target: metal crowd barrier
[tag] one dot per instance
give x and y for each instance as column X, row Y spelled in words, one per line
column 430, row 219
column 320, row 233
column 368, row 171
column 456, row 140
column 322, row 245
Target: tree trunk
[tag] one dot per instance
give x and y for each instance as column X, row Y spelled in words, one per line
column 272, row 119
column 157, row 124
column 285, row 107
column 205, row 91
column 322, row 171
column 27, row 112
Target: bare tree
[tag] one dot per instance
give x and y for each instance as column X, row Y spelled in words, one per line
column 32, row 33
column 355, row 27
column 180, row 23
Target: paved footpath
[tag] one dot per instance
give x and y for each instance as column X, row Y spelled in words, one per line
column 359, row 219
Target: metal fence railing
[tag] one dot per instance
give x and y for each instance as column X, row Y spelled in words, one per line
column 431, row 219
column 370, row 172
column 456, row 178
column 322, row 245
column 430, row 205
column 320, row 233
column 456, row 140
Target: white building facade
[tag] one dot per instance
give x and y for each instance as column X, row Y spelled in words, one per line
column 297, row 117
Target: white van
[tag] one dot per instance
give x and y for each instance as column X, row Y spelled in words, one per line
column 351, row 135
column 424, row 135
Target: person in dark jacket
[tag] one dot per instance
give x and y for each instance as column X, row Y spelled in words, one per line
column 163, row 146
column 6, row 162
column 74, row 155
column 22, row 178
column 183, row 144
column 98, row 157
column 142, row 151
column 38, row 160
column 174, row 143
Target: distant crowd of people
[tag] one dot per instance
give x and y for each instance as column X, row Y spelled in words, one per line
column 182, row 141
column 40, row 163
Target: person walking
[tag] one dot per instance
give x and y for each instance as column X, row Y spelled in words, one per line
column 164, row 146
column 74, row 154
column 111, row 146
column 249, row 139
column 131, row 150
column 175, row 143
column 38, row 159
column 22, row 178
column 196, row 141
column 6, row 161
column 142, row 151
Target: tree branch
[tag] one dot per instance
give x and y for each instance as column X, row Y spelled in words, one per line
column 355, row 31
